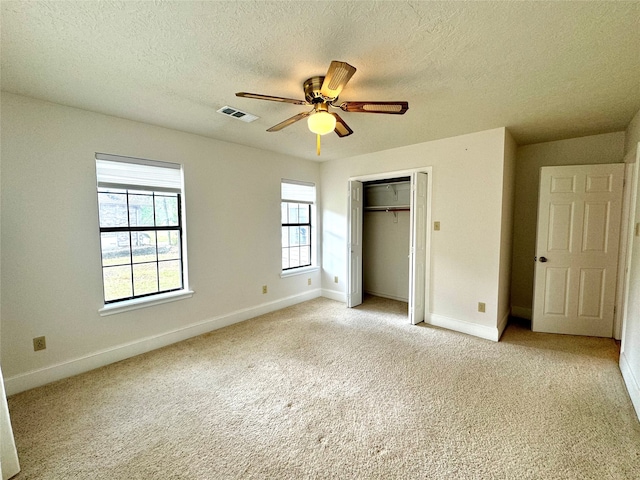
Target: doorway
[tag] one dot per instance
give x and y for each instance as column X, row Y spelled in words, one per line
column 386, row 238
column 579, row 213
column 403, row 198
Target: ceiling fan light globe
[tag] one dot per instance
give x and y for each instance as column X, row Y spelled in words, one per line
column 321, row 123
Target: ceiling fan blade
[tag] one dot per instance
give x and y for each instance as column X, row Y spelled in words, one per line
column 397, row 108
column 342, row 129
column 269, row 97
column 289, row 121
column 337, row 76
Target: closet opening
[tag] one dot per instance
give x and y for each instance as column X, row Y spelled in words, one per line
column 388, row 240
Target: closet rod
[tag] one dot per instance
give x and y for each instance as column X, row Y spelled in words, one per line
column 387, row 209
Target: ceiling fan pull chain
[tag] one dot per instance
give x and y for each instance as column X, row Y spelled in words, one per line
column 318, row 144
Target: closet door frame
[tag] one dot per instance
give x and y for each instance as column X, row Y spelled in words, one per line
column 355, row 284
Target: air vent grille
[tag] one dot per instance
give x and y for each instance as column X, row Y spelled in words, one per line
column 238, row 114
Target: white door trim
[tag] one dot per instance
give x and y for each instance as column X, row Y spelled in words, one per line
column 628, row 374
column 626, row 225
column 631, row 226
column 407, row 173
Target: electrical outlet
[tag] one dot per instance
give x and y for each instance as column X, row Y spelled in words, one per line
column 482, row 308
column 308, row 281
column 264, row 289
column 335, row 279
column 436, row 226
column 39, row 343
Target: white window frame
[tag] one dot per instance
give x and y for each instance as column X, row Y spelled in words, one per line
column 157, row 184
column 314, row 228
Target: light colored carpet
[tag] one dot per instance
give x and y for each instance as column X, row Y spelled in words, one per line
column 321, row 391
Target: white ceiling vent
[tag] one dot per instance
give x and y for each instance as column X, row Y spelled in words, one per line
column 239, row 114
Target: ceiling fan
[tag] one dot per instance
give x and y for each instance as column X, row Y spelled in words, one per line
column 322, row 93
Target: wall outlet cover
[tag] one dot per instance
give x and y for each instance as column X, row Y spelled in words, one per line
column 39, row 343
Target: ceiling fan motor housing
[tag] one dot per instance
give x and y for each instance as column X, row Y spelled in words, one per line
column 312, row 93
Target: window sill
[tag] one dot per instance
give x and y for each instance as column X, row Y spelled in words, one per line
column 137, row 303
column 299, row 271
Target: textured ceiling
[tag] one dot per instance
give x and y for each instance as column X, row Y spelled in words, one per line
column 546, row 71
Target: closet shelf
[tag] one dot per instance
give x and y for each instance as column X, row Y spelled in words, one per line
column 388, row 208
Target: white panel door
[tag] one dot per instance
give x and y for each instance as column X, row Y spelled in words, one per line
column 578, row 231
column 356, row 218
column 418, row 247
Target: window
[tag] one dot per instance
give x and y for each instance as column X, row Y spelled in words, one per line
column 297, row 211
column 141, row 227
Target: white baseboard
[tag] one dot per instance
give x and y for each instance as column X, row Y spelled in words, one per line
column 631, row 383
column 386, row 295
column 35, row 378
column 521, row 312
column 482, row 331
column 334, row 295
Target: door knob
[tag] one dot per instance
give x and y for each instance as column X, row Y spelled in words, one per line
column 543, row 259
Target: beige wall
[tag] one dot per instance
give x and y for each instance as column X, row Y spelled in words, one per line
column 51, row 272
column 630, row 348
column 467, row 199
column 605, row 148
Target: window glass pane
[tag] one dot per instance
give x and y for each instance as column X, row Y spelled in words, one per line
column 285, row 236
column 285, row 258
column 294, row 235
column 293, row 212
column 112, row 209
column 170, row 275
column 141, row 210
column 303, row 213
column 304, row 235
column 145, row 278
column 124, row 239
column 143, row 246
column 305, row 256
column 166, row 211
column 115, row 252
column 284, row 212
column 294, row 257
column 117, row 282
column 168, row 245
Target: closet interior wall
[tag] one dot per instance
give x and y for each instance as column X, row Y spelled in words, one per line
column 386, row 229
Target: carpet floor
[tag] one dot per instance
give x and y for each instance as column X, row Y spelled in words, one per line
column 321, row 391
